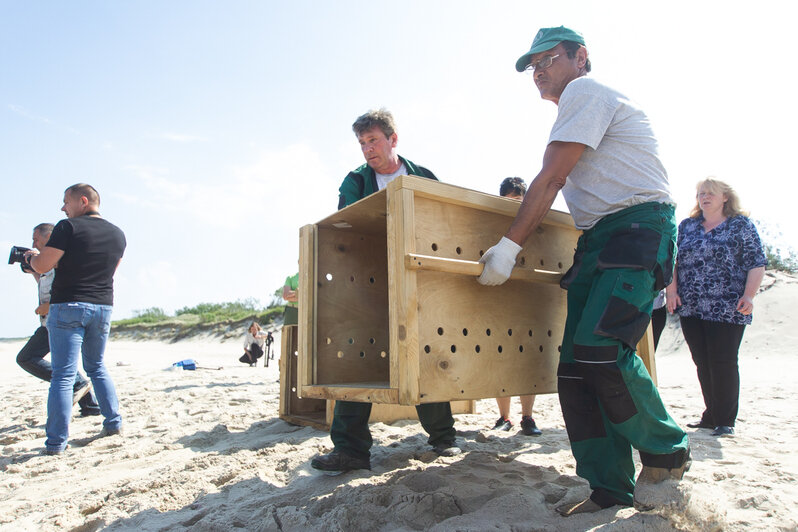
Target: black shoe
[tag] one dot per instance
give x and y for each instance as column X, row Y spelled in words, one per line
column 54, row 452
column 105, row 432
column 723, row 431
column 529, row 428
column 78, row 394
column 447, row 449
column 503, row 424
column 337, row 463
column 87, row 413
column 701, row 425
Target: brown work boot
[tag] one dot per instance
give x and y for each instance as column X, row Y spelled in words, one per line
column 650, row 491
column 598, row 500
column 655, row 475
column 582, row 507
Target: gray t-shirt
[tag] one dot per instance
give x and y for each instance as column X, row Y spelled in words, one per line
column 45, row 285
column 384, row 179
column 620, row 166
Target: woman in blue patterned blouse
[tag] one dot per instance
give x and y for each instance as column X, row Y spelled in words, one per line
column 719, row 267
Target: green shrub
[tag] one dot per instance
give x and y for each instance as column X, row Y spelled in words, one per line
column 784, row 259
column 214, row 312
column 780, row 260
column 207, row 313
column 150, row 315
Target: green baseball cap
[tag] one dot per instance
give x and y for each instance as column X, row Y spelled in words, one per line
column 546, row 39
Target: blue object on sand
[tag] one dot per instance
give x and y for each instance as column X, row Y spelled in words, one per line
column 189, row 364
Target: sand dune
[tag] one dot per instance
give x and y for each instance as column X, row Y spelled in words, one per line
column 204, row 450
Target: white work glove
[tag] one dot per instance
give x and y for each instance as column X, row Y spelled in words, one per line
column 499, row 261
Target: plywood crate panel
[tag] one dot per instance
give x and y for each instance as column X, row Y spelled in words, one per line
column 318, row 413
column 391, row 312
column 295, row 409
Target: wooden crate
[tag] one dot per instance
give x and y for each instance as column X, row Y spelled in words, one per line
column 390, row 310
column 295, row 409
column 318, row 413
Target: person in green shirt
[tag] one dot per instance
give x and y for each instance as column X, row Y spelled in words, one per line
column 291, row 295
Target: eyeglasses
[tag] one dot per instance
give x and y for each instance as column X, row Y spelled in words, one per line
column 543, row 64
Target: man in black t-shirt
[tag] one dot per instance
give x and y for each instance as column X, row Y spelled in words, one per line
column 85, row 249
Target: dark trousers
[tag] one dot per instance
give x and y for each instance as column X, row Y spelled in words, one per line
column 255, row 350
column 350, row 426
column 31, row 359
column 714, row 346
column 658, row 318
column 291, row 315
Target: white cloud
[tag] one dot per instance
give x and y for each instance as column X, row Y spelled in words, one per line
column 283, row 185
column 21, row 111
column 150, row 285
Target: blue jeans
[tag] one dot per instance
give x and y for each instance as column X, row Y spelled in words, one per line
column 78, row 328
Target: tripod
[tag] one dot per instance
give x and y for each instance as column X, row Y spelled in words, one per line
column 268, row 351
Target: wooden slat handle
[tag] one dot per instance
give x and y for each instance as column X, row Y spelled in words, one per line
column 414, row 261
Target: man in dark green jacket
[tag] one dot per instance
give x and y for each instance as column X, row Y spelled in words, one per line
column 349, row 432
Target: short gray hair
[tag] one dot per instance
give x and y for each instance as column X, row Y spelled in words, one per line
column 381, row 118
column 44, row 228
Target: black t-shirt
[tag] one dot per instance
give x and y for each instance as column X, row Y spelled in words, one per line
column 92, row 248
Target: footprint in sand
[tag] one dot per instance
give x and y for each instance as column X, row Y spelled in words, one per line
column 11, row 438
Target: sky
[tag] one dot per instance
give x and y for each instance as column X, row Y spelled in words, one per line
column 215, row 130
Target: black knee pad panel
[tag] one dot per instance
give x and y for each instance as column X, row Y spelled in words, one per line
column 595, row 353
column 668, row 461
column 580, row 409
column 611, row 390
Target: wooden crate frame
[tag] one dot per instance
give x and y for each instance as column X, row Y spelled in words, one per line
column 390, row 311
column 318, row 413
column 293, row 408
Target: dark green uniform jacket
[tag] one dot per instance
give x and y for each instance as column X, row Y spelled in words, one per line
column 362, row 182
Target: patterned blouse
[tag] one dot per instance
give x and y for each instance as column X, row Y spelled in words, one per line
column 713, row 267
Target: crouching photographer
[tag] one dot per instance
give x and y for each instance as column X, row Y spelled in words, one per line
column 254, row 341
column 31, row 356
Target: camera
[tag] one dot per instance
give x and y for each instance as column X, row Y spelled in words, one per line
column 18, row 255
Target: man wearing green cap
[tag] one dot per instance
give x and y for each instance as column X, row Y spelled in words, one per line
column 603, row 155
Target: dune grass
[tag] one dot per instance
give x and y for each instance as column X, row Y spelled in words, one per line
column 204, row 314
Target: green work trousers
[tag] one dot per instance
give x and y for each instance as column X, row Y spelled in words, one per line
column 350, row 426
column 608, row 399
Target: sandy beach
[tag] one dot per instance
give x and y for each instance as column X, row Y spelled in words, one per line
column 205, row 450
